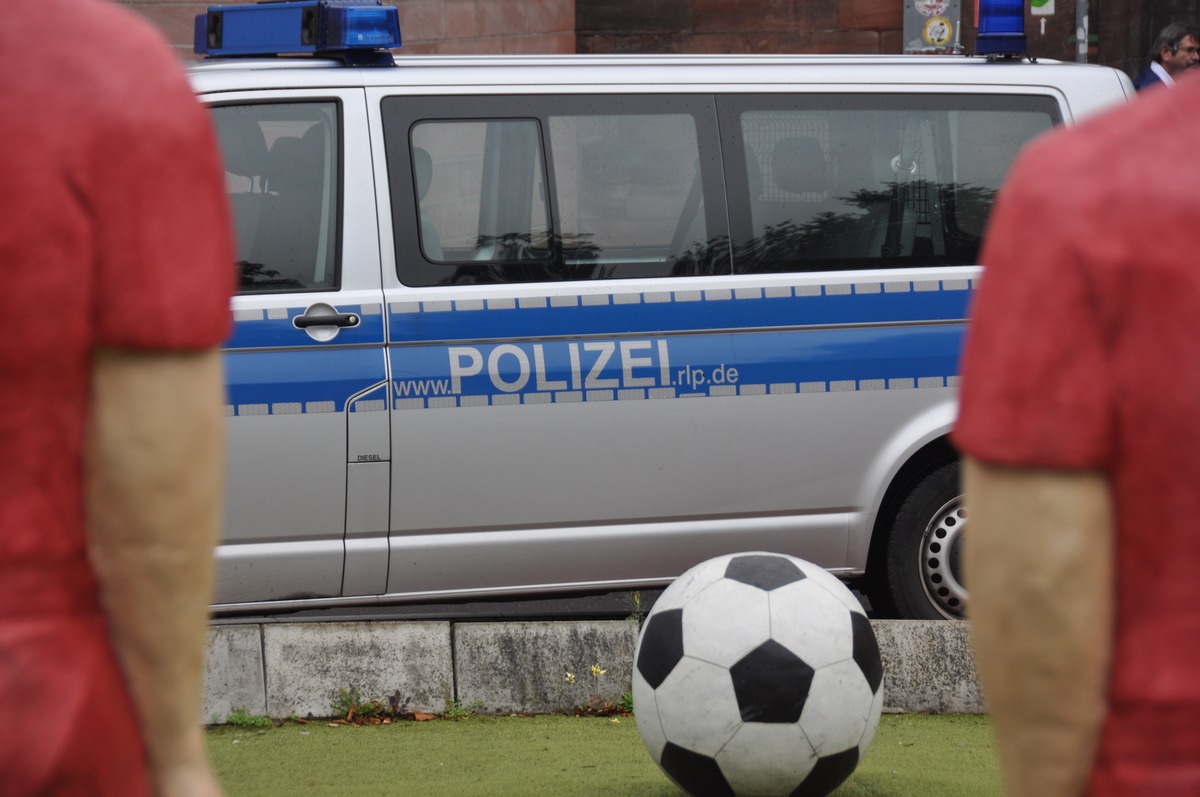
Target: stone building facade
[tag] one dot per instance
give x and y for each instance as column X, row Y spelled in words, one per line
column 1121, row 30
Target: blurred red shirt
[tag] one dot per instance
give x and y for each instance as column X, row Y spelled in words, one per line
column 113, row 233
column 1083, row 355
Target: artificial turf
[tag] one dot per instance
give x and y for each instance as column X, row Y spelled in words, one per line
column 918, row 755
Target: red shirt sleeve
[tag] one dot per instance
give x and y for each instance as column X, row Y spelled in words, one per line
column 164, row 252
column 1036, row 382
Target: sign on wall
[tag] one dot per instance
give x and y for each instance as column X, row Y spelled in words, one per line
column 1041, row 8
column 931, row 26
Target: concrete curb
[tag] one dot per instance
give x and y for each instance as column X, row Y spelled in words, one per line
column 301, row 669
column 928, row 667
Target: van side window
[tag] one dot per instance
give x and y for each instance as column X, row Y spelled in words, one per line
column 528, row 189
column 628, row 192
column 823, row 182
column 481, row 191
column 282, row 179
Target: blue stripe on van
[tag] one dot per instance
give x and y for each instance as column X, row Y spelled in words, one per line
column 295, row 382
column 678, row 311
column 608, row 347
column 797, row 361
column 274, row 328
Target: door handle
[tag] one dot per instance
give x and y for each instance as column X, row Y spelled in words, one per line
column 333, row 320
column 322, row 322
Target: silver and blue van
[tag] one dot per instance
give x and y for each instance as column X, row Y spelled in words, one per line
column 541, row 324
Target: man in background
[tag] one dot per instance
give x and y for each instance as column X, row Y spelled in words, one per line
column 117, row 268
column 1080, row 422
column 1176, row 49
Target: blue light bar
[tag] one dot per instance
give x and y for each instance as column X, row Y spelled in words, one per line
column 1001, row 27
column 360, row 32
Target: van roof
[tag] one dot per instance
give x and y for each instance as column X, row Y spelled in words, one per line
column 623, row 61
column 488, row 74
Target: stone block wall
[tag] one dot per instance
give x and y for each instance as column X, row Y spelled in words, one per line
column 833, row 26
column 487, row 27
column 285, row 669
column 739, row 26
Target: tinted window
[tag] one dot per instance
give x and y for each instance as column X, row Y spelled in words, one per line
column 532, row 188
column 628, row 191
column 855, row 181
column 550, row 188
column 281, row 175
column 481, row 191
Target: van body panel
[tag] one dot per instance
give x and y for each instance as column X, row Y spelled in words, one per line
column 570, row 323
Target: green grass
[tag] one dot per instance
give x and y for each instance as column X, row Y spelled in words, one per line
column 922, row 756
column 240, row 718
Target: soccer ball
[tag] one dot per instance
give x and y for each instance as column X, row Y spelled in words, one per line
column 757, row 674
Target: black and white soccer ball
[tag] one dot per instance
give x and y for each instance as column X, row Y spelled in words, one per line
column 757, row 674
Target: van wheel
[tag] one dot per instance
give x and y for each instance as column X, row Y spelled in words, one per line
column 924, row 554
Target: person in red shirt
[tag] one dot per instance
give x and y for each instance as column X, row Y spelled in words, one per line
column 1080, row 422
column 117, row 269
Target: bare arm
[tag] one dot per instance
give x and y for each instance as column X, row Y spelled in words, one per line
column 154, row 477
column 1039, row 564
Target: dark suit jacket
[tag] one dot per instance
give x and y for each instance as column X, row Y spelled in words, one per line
column 1147, row 79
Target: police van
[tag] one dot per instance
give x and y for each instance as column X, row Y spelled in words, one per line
column 516, row 325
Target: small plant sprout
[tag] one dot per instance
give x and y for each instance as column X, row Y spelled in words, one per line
column 241, row 718
column 347, row 702
column 455, row 710
column 637, row 613
column 599, row 704
column 351, row 706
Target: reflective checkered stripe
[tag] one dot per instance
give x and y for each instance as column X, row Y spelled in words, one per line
column 258, row 328
column 274, row 369
column 713, row 343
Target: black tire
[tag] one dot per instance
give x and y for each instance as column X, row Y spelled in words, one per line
column 924, row 549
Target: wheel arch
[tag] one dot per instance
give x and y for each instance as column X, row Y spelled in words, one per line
column 917, row 447
column 930, row 455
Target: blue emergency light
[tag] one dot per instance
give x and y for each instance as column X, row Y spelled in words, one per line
column 1001, row 27
column 360, row 32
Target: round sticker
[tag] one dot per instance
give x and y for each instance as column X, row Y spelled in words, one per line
column 937, row 31
column 931, row 8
